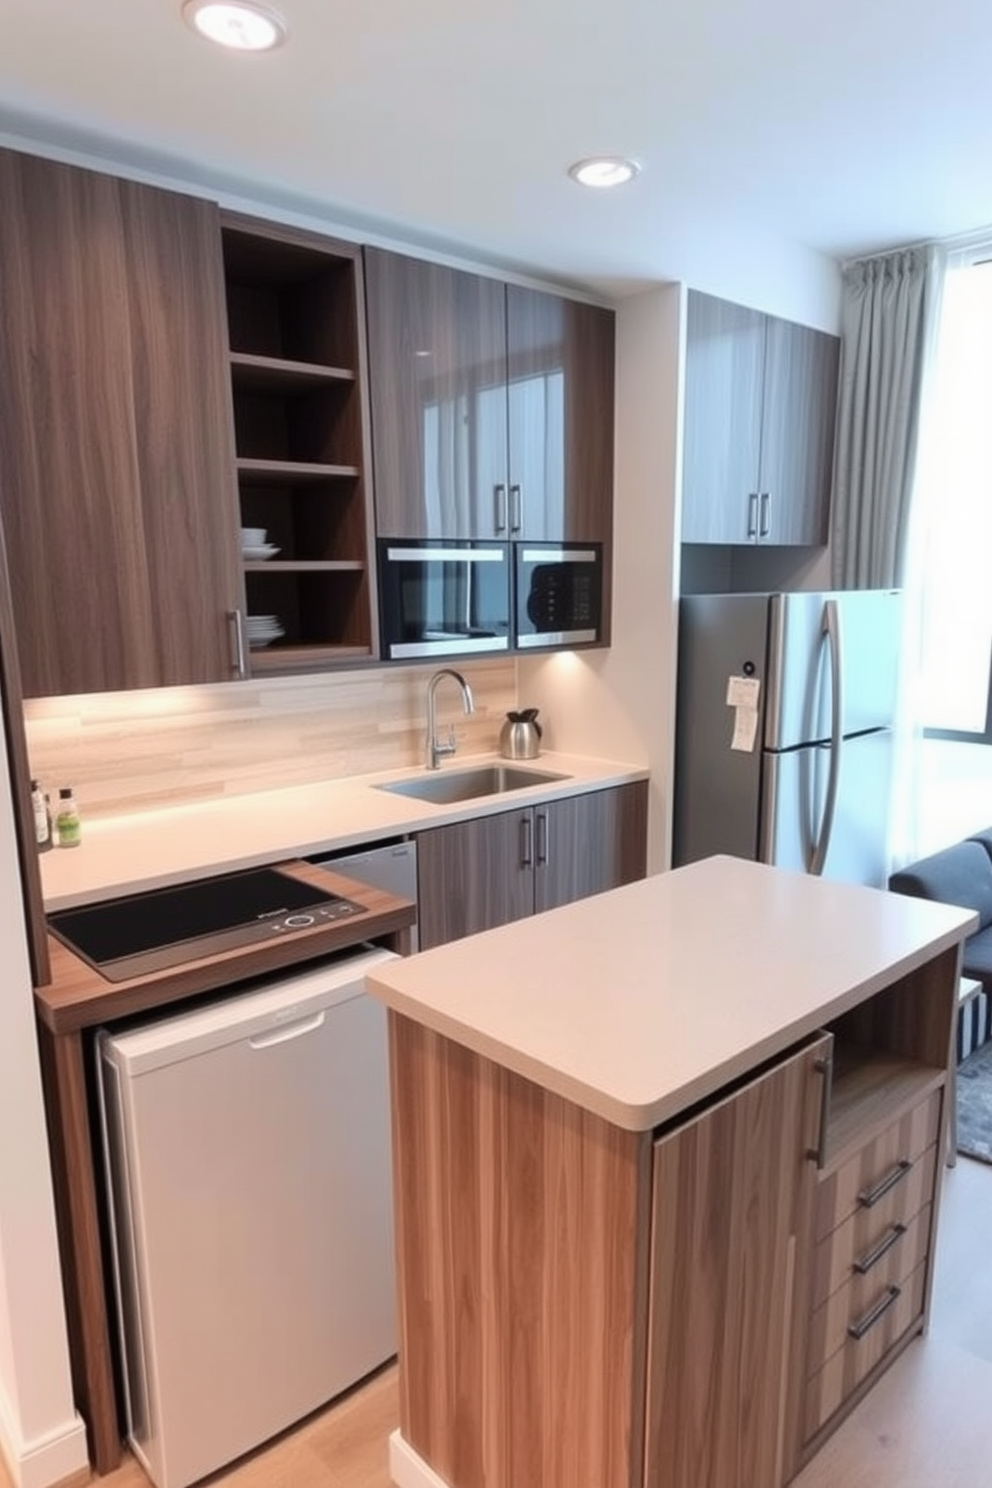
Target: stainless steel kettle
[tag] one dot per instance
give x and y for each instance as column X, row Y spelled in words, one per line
column 520, row 736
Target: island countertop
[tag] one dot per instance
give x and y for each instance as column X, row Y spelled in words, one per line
column 639, row 1002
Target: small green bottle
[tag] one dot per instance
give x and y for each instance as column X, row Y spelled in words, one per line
column 68, row 826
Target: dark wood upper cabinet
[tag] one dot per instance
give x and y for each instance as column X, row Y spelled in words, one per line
column 760, row 405
column 560, row 356
column 295, row 310
column 437, row 360
column 492, row 407
column 116, row 453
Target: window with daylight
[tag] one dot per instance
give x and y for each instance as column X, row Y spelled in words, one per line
column 956, row 533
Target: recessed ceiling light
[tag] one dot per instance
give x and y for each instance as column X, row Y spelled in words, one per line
column 241, row 24
column 603, row 170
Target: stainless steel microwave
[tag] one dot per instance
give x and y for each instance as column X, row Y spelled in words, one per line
column 559, row 594
column 443, row 598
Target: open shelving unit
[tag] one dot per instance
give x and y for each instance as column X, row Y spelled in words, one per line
column 299, row 395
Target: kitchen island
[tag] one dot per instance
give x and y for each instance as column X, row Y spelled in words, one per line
column 666, row 1177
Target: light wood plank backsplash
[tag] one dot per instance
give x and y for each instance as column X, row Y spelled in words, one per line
column 130, row 751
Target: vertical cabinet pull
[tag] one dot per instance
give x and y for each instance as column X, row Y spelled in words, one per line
column 235, row 621
column 516, row 508
column 542, row 838
column 526, row 841
column 825, row 1068
column 499, row 503
column 764, row 523
column 752, row 514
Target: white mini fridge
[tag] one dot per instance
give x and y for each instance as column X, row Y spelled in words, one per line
column 248, row 1162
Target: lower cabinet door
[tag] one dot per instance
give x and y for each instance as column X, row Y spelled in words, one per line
column 732, row 1202
column 587, row 844
column 474, row 875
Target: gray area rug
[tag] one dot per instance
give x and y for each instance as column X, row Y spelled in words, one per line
column 975, row 1104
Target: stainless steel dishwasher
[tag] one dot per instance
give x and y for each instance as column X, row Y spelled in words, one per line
column 248, row 1160
column 391, row 866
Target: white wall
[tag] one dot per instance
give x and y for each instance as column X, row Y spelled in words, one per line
column 41, row 1437
column 620, row 703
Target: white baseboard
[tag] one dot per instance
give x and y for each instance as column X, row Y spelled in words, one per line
column 54, row 1458
column 407, row 1469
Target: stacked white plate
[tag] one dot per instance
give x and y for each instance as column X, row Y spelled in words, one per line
column 263, row 629
column 255, row 543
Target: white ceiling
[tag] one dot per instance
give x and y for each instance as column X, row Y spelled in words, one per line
column 843, row 127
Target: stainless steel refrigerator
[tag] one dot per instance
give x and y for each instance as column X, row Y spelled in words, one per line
column 784, row 729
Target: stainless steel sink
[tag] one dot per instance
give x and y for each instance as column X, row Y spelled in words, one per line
column 445, row 786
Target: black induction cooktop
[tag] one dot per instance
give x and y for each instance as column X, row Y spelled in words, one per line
column 143, row 933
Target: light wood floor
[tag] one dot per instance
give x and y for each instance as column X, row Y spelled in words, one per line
column 925, row 1425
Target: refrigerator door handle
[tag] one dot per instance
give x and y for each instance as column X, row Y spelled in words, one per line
column 831, row 629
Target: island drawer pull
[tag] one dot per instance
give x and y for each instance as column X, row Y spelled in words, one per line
column 864, row 1324
column 824, row 1067
column 870, row 1196
column 865, row 1263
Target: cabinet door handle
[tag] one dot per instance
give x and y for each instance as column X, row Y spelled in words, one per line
column 865, row 1263
column 526, row 841
column 870, row 1196
column 542, row 838
column 752, row 514
column 238, row 665
column 499, row 502
column 876, row 1313
column 825, row 1068
column 516, row 508
column 764, row 525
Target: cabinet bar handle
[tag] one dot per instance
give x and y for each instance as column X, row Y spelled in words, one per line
column 871, row 1317
column 527, row 841
column 516, row 509
column 542, row 838
column 763, row 526
column 824, row 1067
column 870, row 1196
column 866, row 1262
column 499, row 500
column 752, row 514
column 236, row 623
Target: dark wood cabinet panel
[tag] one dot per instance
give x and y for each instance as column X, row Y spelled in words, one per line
column 760, row 407
column 797, row 432
column 479, row 874
column 725, row 348
column 437, row 359
column 587, row 844
column 116, row 457
column 474, row 875
column 560, row 359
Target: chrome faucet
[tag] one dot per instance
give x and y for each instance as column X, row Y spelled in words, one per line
column 436, row 750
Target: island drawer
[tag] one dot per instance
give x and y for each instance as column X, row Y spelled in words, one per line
column 863, row 1294
column 827, row 1390
column 861, row 1234
column 878, row 1169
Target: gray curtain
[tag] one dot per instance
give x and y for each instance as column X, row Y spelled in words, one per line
column 883, row 339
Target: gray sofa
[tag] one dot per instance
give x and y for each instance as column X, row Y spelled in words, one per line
column 961, row 874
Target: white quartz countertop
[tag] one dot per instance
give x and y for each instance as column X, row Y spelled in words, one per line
column 641, row 1001
column 151, row 849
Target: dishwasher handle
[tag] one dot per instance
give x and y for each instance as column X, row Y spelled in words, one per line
column 288, row 1031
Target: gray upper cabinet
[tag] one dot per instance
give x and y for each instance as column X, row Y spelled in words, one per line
column 492, row 407
column 760, row 403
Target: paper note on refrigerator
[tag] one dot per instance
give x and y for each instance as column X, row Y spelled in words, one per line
column 742, row 696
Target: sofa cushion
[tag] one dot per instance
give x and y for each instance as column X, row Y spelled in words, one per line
column 985, row 838
column 976, row 957
column 960, row 875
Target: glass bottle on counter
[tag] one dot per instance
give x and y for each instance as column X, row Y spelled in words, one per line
column 68, row 824
column 42, row 818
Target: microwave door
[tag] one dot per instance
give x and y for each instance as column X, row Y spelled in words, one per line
column 444, row 601
column 562, row 588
